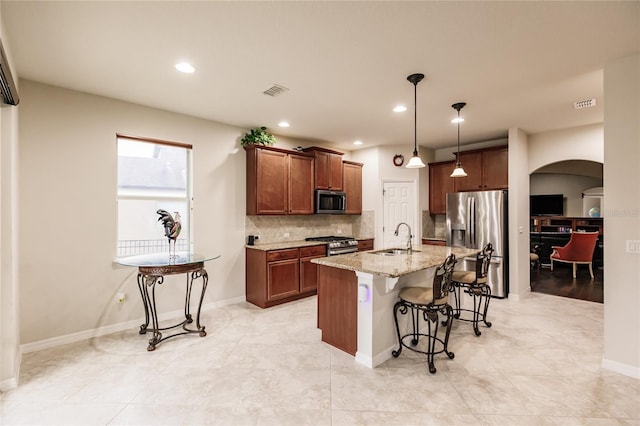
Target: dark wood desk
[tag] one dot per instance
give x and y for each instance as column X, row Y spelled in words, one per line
column 152, row 269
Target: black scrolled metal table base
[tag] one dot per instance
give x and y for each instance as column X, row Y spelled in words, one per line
column 148, row 278
column 430, row 317
column 481, row 294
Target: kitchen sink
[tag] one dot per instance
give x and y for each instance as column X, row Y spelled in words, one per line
column 394, row 252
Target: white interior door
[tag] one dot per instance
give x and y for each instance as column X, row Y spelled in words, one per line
column 399, row 206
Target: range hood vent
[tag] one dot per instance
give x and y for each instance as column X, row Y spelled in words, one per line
column 7, row 85
column 275, row 90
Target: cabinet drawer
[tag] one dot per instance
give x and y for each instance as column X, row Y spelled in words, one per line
column 313, row 251
column 274, row 255
column 364, row 245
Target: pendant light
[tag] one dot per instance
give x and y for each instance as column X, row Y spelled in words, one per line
column 458, row 171
column 415, row 161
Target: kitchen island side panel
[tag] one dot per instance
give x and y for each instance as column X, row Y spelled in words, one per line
column 338, row 308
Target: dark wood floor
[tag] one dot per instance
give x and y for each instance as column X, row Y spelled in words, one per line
column 561, row 283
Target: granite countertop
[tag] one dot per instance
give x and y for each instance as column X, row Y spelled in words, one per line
column 285, row 245
column 293, row 244
column 423, row 257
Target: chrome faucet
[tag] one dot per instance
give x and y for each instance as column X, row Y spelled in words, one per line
column 408, row 238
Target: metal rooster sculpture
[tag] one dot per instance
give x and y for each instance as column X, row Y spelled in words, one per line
column 172, row 228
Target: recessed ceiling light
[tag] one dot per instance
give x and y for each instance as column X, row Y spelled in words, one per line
column 357, row 143
column 185, row 67
column 283, row 124
column 400, row 108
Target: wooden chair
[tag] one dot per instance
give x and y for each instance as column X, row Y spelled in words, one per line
column 578, row 251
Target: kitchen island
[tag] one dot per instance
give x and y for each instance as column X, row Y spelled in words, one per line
column 357, row 292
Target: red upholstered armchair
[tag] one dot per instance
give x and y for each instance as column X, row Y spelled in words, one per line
column 579, row 250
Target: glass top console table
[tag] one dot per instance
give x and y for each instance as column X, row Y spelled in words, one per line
column 152, row 269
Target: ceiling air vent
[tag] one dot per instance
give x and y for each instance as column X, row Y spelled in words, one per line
column 586, row 103
column 275, row 90
column 8, row 91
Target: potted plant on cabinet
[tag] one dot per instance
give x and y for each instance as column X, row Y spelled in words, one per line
column 258, row 136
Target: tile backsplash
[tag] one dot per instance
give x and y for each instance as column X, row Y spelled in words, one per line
column 433, row 226
column 274, row 229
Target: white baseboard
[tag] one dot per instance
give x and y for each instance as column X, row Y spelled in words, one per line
column 12, row 383
column 7, row 385
column 617, row 367
column 114, row 328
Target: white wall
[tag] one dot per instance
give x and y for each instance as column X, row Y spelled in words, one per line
column 571, row 186
column 68, row 209
column 575, row 143
column 622, row 215
column 518, row 214
column 9, row 288
column 449, row 153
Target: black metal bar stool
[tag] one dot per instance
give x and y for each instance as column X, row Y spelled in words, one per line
column 474, row 283
column 426, row 303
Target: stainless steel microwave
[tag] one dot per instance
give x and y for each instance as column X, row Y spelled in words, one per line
column 330, row 202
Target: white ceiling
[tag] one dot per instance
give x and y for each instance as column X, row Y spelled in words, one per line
column 516, row 64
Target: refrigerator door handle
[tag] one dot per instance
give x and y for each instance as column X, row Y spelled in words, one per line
column 467, row 224
column 471, row 211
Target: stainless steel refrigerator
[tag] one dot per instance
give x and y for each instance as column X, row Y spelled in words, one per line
column 474, row 219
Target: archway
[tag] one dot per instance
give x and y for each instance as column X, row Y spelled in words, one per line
column 575, row 183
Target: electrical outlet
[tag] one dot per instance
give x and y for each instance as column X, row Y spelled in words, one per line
column 286, row 235
column 339, row 231
column 256, row 237
column 121, row 297
column 633, row 246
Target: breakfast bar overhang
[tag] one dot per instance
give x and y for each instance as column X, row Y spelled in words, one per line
column 357, row 292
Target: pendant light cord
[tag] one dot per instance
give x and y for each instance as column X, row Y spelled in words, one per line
column 415, row 118
column 458, row 156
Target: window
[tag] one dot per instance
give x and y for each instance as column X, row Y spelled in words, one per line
column 152, row 175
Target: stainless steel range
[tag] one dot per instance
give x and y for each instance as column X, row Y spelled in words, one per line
column 337, row 245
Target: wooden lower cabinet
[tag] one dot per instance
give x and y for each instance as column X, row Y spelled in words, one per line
column 364, row 245
column 279, row 276
column 308, row 270
column 283, row 279
column 338, row 308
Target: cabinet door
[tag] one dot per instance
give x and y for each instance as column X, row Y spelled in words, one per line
column 300, row 184
column 308, row 270
column 272, row 180
column 322, row 170
column 308, row 274
column 335, row 172
column 439, row 185
column 352, row 176
column 495, row 169
column 364, row 245
column 283, row 279
column 472, row 164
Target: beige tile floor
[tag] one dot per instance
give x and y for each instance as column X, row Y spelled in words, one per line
column 538, row 365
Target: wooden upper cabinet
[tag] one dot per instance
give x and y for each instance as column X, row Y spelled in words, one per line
column 472, row 164
column 279, row 182
column 301, row 169
column 439, row 185
column 267, row 181
column 495, row 168
column 352, row 186
column 328, row 174
column 486, row 169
